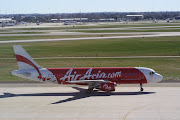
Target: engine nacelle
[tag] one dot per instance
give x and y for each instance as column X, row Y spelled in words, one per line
column 108, row 86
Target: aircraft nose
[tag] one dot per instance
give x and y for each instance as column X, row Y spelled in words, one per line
column 158, row 77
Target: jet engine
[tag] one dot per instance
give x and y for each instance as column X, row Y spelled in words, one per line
column 108, row 86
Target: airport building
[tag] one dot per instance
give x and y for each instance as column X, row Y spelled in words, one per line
column 74, row 19
column 135, row 17
column 104, row 20
column 7, row 22
column 69, row 20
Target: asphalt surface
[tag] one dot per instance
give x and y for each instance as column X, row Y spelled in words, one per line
column 160, row 34
column 73, row 33
column 51, row 102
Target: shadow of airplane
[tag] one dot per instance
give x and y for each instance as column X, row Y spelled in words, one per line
column 76, row 95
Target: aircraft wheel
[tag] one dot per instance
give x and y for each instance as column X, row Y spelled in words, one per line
column 88, row 91
column 142, row 89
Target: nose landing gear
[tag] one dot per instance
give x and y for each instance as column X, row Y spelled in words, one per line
column 141, row 88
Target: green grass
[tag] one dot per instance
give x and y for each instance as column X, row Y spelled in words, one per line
column 5, row 38
column 3, row 30
column 169, row 67
column 100, row 26
column 25, row 33
column 160, row 46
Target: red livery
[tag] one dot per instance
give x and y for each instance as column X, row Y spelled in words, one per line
column 103, row 78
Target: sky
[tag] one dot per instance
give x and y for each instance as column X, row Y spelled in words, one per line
column 75, row 6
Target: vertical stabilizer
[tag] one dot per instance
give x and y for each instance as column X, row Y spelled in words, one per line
column 24, row 60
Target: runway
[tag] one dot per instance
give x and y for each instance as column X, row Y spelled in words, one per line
column 50, row 102
column 161, row 34
column 76, row 33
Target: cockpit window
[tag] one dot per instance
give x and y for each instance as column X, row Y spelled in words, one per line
column 151, row 73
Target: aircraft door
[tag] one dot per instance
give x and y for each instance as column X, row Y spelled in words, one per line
column 141, row 74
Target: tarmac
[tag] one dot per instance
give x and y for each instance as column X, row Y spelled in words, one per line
column 29, row 101
column 92, row 38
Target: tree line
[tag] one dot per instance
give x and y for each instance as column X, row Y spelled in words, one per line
column 95, row 15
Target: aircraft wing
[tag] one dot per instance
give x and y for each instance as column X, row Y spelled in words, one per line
column 89, row 81
column 104, row 85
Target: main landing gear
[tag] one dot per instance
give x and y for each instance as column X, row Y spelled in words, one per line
column 141, row 88
column 89, row 90
column 91, row 87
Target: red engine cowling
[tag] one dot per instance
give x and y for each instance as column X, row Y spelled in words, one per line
column 108, row 86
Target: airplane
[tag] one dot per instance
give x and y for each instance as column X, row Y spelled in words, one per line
column 102, row 78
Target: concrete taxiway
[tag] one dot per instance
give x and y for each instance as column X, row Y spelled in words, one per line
column 92, row 38
column 51, row 102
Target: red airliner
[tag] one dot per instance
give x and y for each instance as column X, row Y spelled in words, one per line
column 103, row 78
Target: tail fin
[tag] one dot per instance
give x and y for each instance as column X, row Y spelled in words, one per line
column 24, row 60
